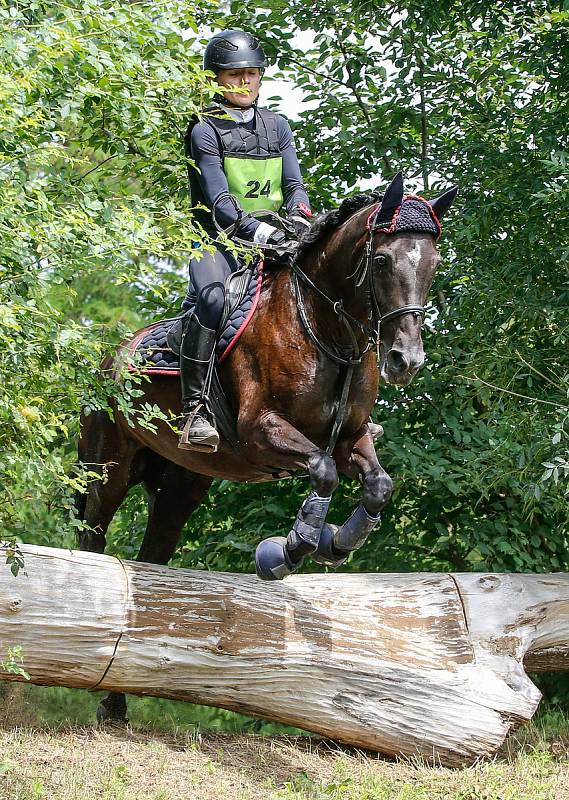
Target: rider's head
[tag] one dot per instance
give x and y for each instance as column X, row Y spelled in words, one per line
column 238, row 60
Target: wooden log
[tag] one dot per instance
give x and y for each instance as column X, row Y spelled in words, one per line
column 428, row 664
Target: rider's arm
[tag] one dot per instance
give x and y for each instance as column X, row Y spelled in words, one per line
column 294, row 190
column 206, row 154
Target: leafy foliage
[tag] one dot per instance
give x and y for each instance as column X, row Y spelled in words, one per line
column 94, row 218
column 473, row 94
column 96, row 225
column 13, row 664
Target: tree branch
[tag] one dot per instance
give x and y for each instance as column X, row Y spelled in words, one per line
column 424, row 141
column 89, row 171
column 319, row 74
column 353, row 87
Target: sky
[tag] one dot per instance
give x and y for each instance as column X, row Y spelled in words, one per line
column 293, row 101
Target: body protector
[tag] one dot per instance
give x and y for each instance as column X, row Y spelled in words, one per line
column 252, row 161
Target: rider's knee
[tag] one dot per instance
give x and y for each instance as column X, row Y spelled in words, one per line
column 209, row 307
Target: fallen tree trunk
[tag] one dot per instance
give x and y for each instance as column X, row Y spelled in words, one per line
column 427, row 664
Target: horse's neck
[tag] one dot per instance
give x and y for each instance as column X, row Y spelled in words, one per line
column 330, row 265
column 333, row 268
column 296, row 307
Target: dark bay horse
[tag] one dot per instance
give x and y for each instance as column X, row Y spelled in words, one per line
column 305, row 362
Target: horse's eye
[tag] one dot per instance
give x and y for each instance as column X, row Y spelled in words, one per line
column 380, row 259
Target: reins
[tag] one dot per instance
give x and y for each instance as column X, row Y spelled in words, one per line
column 362, row 272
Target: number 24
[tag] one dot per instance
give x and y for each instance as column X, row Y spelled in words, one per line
column 255, row 186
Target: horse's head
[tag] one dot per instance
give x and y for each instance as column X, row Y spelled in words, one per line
column 402, row 257
column 381, row 260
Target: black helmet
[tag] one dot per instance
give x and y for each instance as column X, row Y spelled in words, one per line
column 233, row 49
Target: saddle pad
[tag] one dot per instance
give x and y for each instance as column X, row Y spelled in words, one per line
column 150, row 352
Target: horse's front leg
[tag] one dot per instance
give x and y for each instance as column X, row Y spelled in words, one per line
column 275, row 441
column 357, row 460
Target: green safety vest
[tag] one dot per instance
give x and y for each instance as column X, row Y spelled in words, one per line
column 255, row 183
column 252, row 160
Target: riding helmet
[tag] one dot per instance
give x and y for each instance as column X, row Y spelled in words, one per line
column 233, row 49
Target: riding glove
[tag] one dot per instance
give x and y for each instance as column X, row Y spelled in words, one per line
column 301, row 220
column 280, row 247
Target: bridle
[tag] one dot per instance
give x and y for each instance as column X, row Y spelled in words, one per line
column 350, row 356
column 362, row 273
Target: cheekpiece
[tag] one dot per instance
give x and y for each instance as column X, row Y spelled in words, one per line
column 415, row 214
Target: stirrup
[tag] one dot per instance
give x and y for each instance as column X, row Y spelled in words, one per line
column 205, row 439
column 375, row 430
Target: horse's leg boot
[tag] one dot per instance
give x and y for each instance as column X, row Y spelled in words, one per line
column 277, row 557
column 196, row 352
column 336, row 543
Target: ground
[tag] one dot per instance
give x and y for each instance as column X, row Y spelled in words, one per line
column 83, row 762
column 125, row 764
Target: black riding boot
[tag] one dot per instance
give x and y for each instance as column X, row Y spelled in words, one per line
column 196, row 353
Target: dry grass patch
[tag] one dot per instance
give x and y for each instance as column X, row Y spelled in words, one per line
column 122, row 764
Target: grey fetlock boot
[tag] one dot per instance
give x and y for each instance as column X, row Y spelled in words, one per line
column 196, row 354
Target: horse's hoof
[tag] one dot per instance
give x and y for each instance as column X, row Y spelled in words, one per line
column 326, row 553
column 272, row 561
column 107, row 714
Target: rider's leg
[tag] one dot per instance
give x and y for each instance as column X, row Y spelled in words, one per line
column 207, row 277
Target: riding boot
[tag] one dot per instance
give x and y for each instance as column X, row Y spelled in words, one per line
column 196, row 354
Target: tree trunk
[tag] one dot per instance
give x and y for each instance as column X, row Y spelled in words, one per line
column 407, row 664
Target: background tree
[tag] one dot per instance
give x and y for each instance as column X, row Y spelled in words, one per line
column 95, row 220
column 96, row 227
column 472, row 93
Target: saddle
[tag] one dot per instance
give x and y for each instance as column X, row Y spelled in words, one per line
column 156, row 349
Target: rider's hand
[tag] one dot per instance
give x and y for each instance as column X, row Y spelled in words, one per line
column 300, row 225
column 301, row 219
column 281, row 248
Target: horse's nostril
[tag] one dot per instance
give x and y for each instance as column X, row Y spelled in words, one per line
column 397, row 362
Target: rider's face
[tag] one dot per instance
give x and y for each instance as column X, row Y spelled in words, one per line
column 248, row 78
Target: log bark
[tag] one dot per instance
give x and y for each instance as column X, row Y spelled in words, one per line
column 428, row 664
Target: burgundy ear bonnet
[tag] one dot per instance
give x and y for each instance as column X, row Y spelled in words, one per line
column 414, row 214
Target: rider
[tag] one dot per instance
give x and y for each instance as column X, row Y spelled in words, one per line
column 246, row 161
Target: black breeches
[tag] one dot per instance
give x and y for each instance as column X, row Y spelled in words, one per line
column 207, row 283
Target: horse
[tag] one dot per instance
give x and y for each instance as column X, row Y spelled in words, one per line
column 302, row 383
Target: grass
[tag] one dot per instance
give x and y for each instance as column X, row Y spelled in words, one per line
column 40, row 759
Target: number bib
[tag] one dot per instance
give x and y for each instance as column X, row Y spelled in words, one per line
column 256, row 183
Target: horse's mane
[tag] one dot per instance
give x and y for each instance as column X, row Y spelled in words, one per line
column 327, row 222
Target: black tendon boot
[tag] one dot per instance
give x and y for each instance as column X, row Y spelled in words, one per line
column 196, row 354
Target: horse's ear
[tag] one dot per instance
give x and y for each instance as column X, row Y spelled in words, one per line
column 442, row 204
column 392, row 198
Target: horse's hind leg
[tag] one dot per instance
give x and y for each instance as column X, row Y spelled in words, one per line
column 104, row 449
column 173, row 494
